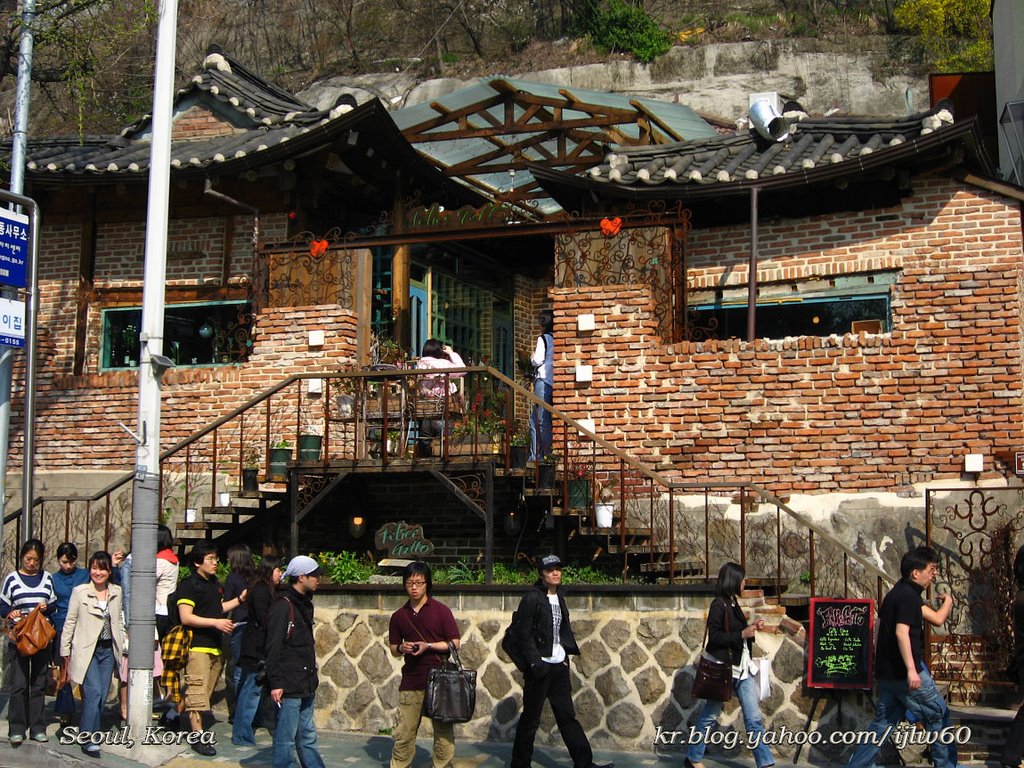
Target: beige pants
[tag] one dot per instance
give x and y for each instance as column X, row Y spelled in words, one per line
column 410, row 712
column 201, row 673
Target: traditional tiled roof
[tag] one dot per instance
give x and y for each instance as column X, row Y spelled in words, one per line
column 746, row 156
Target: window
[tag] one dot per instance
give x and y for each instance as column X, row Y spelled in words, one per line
column 815, row 308
column 194, row 334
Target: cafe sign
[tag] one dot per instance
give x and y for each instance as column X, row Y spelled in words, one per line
column 402, row 540
column 437, row 217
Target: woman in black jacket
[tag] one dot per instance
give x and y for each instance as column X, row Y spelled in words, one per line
column 252, row 658
column 542, row 632
column 730, row 639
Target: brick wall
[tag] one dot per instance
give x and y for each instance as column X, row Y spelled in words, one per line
column 817, row 414
column 199, row 123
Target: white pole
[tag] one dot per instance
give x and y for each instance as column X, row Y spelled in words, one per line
column 146, row 499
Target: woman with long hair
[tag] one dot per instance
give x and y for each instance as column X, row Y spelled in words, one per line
column 166, row 577
column 92, row 642
column 240, row 575
column 731, row 639
column 67, row 576
column 253, row 657
column 24, row 589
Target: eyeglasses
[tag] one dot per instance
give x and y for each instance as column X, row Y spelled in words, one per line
column 415, row 583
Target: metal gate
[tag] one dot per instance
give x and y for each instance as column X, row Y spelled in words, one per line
column 976, row 532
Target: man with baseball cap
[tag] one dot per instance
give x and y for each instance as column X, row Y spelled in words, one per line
column 541, row 630
column 291, row 666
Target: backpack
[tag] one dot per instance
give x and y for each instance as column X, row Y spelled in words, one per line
column 513, row 649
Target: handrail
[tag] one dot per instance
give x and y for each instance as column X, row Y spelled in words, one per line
column 625, row 460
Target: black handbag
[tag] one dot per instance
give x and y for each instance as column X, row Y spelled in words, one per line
column 712, row 679
column 450, row 696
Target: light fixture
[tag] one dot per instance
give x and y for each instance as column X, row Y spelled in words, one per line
column 974, row 463
column 356, row 526
column 512, row 524
column 205, row 331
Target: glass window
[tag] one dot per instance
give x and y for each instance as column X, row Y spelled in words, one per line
column 847, row 304
column 194, row 334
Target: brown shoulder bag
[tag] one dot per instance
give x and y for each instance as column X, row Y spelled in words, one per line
column 32, row 634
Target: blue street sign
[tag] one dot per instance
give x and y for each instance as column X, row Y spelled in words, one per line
column 14, row 231
column 12, row 322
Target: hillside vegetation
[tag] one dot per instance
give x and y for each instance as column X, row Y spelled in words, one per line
column 94, row 58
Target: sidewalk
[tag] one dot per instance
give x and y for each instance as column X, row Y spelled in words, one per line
column 338, row 749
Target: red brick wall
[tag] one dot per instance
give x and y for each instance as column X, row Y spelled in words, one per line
column 199, row 123
column 822, row 414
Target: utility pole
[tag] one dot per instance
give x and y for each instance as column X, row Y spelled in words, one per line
column 152, row 364
column 22, row 94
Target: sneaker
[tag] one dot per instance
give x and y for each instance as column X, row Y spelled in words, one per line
column 17, row 739
column 90, row 750
column 41, row 737
column 206, row 750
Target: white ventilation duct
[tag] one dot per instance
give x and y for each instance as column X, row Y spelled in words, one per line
column 766, row 117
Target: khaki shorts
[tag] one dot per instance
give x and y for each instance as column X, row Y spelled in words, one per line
column 201, row 673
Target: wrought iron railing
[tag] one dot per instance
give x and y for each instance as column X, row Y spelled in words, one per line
column 663, row 528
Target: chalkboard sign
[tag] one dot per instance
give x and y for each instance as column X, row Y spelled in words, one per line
column 842, row 650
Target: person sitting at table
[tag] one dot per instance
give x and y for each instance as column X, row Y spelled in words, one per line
column 438, row 356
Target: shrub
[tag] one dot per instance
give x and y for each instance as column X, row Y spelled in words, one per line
column 346, row 567
column 618, row 26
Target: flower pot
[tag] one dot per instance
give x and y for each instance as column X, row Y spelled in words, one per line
column 277, row 465
column 545, row 475
column 309, row 447
column 604, row 512
column 518, row 455
column 579, row 494
column 250, row 480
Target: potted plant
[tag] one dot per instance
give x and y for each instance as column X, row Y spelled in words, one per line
column 519, row 447
column 604, row 507
column 277, row 465
column 546, row 471
column 250, row 470
column 310, row 440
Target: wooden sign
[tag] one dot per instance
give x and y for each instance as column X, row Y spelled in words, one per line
column 403, row 541
column 841, row 642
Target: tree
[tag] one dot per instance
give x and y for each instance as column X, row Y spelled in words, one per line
column 955, row 35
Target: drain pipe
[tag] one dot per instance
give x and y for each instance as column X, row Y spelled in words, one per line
column 752, row 269
column 209, row 190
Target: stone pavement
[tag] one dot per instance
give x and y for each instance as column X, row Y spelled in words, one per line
column 338, row 749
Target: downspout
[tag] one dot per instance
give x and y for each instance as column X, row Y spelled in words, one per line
column 752, row 269
column 209, row 190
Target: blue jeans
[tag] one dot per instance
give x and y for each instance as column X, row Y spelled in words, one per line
column 540, row 423
column 746, row 693
column 295, row 732
column 247, row 704
column 96, row 686
column 895, row 699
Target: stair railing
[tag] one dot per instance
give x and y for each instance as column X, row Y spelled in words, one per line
column 667, row 529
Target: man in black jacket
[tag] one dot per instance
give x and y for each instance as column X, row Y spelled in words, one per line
column 542, row 632
column 291, row 666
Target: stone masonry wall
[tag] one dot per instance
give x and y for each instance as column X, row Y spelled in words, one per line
column 633, row 676
column 814, row 414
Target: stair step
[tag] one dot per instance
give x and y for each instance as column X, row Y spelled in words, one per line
column 212, row 525
column 682, row 567
column 588, row 530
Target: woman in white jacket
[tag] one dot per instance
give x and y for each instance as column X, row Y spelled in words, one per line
column 92, row 641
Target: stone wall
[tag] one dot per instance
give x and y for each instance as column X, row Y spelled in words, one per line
column 632, row 678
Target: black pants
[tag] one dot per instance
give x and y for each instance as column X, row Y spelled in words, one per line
column 28, row 690
column 1014, row 749
column 556, row 688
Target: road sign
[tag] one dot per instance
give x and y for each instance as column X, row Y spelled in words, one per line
column 14, row 229
column 12, row 322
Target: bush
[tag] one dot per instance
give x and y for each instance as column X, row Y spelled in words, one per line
column 618, row 26
column 346, row 567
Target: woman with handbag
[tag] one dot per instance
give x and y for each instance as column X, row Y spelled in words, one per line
column 420, row 631
column 730, row 639
column 252, row 659
column 65, row 579
column 92, row 642
column 23, row 591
